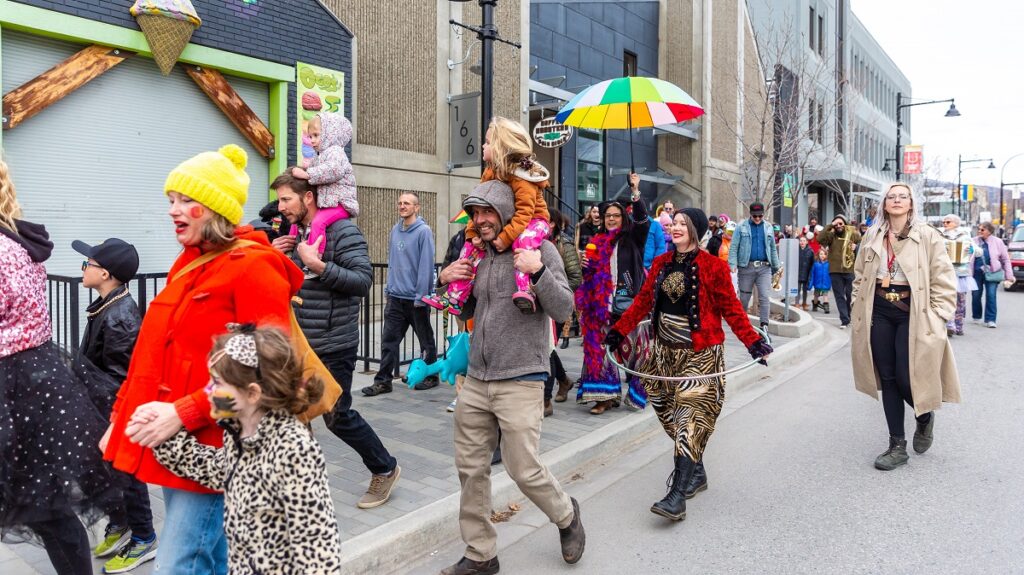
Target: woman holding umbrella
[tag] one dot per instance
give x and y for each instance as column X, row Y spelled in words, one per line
column 687, row 297
column 613, row 274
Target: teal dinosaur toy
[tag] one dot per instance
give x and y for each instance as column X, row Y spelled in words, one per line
column 455, row 362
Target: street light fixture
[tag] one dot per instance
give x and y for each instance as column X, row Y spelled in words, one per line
column 886, row 167
column 952, row 112
column 959, row 184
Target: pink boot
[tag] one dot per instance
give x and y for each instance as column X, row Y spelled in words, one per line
column 438, row 302
column 525, row 302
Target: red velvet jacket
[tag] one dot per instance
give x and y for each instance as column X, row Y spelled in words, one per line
column 717, row 300
column 249, row 284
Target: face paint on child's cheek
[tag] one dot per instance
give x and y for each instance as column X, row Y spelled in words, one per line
column 196, row 212
column 222, row 404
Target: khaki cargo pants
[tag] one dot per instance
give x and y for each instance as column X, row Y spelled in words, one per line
column 517, row 407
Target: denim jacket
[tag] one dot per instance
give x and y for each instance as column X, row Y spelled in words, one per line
column 739, row 250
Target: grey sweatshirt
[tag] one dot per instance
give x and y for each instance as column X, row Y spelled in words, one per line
column 505, row 343
column 410, row 261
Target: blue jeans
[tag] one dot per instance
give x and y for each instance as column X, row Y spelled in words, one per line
column 989, row 289
column 192, row 541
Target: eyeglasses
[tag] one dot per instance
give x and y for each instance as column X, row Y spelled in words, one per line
column 610, row 215
column 757, row 215
column 87, row 263
column 903, row 197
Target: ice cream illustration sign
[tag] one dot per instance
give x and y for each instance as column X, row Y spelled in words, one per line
column 318, row 90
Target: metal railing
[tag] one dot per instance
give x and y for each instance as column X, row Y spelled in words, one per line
column 67, row 299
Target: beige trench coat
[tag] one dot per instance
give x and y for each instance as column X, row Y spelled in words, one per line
column 933, row 374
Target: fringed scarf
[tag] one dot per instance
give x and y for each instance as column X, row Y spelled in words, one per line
column 600, row 379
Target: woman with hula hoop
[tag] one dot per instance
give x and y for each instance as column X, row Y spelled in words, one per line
column 690, row 294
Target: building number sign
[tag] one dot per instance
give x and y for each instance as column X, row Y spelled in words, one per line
column 464, row 130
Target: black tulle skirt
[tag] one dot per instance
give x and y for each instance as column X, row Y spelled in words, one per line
column 50, row 462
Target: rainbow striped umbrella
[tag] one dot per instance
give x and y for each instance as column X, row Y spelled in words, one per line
column 630, row 102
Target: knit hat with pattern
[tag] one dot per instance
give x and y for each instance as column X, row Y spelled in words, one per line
column 215, row 179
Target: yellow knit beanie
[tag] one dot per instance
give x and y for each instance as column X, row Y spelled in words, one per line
column 215, row 179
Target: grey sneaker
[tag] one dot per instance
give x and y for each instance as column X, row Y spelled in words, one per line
column 923, row 435
column 990, row 324
column 893, row 457
column 380, row 490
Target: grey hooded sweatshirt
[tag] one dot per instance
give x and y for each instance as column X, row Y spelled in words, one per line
column 505, row 343
column 330, row 171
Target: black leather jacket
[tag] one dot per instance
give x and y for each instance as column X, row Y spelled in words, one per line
column 109, row 337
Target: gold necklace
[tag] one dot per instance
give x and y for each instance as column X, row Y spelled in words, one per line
column 121, row 295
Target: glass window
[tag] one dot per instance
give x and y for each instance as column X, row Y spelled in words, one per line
column 810, row 28
column 589, row 167
column 628, row 63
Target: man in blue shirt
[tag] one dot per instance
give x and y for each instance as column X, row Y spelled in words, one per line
column 755, row 257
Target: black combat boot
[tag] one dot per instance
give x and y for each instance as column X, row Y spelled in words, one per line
column 698, row 481
column 673, row 505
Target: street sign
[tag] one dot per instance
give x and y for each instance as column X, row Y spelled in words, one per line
column 549, row 133
column 464, row 130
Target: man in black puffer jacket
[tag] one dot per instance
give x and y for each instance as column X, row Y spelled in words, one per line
column 328, row 313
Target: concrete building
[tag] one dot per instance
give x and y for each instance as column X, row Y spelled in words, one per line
column 843, row 87
column 705, row 48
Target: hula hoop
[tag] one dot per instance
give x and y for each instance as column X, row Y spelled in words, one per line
column 741, row 367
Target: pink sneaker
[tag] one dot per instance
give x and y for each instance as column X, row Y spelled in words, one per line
column 435, row 301
column 525, row 302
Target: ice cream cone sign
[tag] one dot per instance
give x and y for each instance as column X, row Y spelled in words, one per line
column 168, row 26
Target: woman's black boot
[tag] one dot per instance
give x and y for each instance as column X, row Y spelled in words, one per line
column 673, row 505
column 698, row 481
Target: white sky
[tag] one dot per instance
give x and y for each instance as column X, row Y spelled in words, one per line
column 969, row 50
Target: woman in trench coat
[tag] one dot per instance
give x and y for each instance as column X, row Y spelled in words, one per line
column 904, row 293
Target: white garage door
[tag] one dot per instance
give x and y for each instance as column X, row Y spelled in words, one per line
column 92, row 166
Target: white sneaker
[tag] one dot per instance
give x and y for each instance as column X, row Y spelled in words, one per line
column 451, row 406
column 991, row 324
column 977, row 321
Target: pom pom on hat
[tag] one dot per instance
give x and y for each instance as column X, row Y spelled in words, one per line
column 215, row 179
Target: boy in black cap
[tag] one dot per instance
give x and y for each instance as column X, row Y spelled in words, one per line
column 110, row 334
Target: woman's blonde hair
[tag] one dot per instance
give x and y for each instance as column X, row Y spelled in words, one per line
column 881, row 223
column 280, row 374
column 510, row 144
column 218, row 231
column 9, row 208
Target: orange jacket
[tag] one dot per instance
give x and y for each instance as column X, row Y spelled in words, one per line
column 249, row 284
column 723, row 252
column 530, row 205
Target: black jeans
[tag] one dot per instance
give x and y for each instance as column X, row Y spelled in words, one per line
column 842, row 288
column 890, row 350
column 399, row 314
column 67, row 545
column 557, row 373
column 346, row 422
column 134, row 512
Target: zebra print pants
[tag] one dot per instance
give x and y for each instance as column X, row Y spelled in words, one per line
column 687, row 410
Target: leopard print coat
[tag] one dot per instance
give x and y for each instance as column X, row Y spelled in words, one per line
column 278, row 513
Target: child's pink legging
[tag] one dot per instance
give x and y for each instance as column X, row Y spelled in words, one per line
column 532, row 237
column 318, row 227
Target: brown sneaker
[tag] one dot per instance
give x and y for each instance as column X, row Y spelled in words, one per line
column 380, row 490
column 573, row 538
column 467, row 566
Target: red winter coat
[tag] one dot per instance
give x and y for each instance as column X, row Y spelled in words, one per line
column 249, row 284
column 716, row 300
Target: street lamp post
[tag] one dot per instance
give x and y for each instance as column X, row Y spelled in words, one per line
column 959, row 184
column 952, row 112
column 1002, row 211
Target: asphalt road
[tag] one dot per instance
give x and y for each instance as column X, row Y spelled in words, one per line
column 793, row 489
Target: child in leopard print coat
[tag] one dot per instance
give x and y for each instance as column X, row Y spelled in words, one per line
column 278, row 514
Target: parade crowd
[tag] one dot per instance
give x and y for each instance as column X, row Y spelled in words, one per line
column 210, row 395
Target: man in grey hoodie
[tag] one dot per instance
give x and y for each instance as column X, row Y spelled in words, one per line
column 504, row 386
column 410, row 277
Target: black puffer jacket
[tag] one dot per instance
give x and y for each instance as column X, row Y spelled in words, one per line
column 329, row 312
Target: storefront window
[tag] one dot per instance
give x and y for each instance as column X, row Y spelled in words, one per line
column 589, row 167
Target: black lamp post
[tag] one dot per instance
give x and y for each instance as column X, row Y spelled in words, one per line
column 1002, row 211
column 959, row 184
column 952, row 112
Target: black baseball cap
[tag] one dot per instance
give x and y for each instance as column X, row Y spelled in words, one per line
column 757, row 209
column 116, row 256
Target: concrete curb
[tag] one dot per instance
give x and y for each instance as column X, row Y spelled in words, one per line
column 389, row 547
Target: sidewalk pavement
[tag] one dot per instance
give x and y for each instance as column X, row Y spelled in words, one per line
column 417, row 430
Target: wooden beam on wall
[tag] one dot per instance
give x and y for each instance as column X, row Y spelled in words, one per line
column 234, row 107
column 53, row 85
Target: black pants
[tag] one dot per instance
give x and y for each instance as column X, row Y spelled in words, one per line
column 399, row 314
column 346, row 422
column 890, row 350
column 67, row 545
column 802, row 292
column 134, row 512
column 842, row 287
column 557, row 373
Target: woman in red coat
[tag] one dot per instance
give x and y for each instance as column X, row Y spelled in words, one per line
column 240, row 278
column 690, row 294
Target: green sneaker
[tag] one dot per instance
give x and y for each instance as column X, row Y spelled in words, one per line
column 893, row 457
column 113, row 540
column 135, row 553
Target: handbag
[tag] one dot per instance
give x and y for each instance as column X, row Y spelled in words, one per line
column 991, row 276
column 311, row 364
